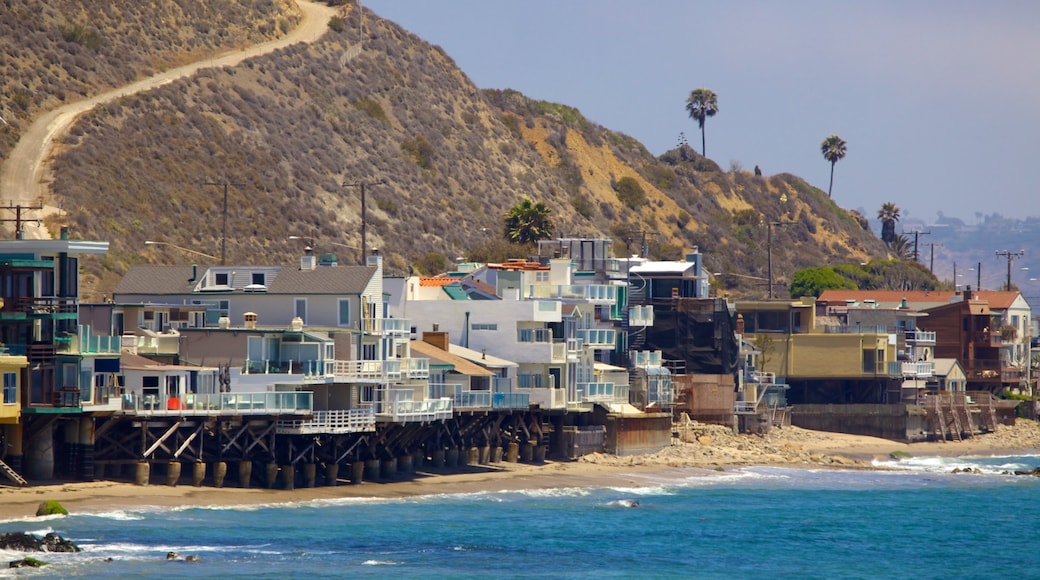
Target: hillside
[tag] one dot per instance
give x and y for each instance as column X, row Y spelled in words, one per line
column 289, row 129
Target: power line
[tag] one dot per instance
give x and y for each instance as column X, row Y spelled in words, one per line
column 1010, row 258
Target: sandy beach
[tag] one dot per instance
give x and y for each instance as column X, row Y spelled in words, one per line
column 707, row 447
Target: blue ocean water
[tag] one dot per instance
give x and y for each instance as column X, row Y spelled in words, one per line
column 917, row 520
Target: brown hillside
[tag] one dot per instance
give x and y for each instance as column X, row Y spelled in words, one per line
column 291, row 128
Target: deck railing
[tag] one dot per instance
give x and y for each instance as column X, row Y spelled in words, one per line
column 382, row 370
column 258, row 403
column 511, row 400
column 336, row 421
column 308, row 368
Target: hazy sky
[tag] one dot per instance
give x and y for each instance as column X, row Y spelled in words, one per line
column 939, row 102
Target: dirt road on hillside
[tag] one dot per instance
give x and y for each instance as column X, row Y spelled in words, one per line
column 22, row 175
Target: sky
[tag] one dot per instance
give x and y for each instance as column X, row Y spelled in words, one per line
column 938, row 101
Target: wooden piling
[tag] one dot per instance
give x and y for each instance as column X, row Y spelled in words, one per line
column 219, row 473
column 310, row 473
column 245, row 472
column 198, row 473
column 173, row 473
column 332, row 474
column 141, row 471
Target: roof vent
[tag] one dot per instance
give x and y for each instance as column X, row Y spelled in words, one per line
column 296, row 325
column 249, row 319
column 224, row 322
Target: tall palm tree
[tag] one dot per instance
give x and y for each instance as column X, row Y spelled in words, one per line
column 833, row 149
column 889, row 215
column 701, row 104
column 528, row 222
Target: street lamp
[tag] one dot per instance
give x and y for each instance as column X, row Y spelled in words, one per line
column 181, row 248
column 364, row 218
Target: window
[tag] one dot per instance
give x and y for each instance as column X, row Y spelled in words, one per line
column 485, row 326
column 10, row 388
column 257, row 278
column 300, row 309
column 368, row 352
column 220, row 279
column 541, row 276
column 344, row 312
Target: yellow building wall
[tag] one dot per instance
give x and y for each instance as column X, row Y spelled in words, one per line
column 818, row 355
column 10, row 412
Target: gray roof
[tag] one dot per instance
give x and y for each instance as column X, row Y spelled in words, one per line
column 158, row 280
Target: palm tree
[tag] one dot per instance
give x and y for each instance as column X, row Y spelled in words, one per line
column 833, row 149
column 701, row 104
column 528, row 222
column 889, row 215
column 901, row 247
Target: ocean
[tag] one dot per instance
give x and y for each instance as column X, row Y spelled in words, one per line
column 917, row 520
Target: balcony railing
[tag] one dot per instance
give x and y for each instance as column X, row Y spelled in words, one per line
column 559, row 352
column 258, row 403
column 598, row 338
column 592, row 293
column 395, row 326
column 45, row 306
column 647, row 358
column 511, row 400
column 591, row 392
column 405, row 410
column 919, row 337
column 308, row 368
column 919, row 370
column 987, row 338
column 337, row 421
column 543, row 335
column 854, row 329
column 639, row 316
column 381, row 370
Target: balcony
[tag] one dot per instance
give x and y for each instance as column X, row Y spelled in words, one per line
column 592, row 293
column 46, row 307
column 991, row 371
column 640, row 316
column 381, row 370
column 593, row 392
column 918, row 370
column 511, row 400
column 338, row 421
column 647, row 358
column 854, row 329
column 398, row 407
column 398, row 327
column 307, row 368
column 220, row 404
column 559, row 353
column 537, row 335
column 151, row 344
column 987, row 338
column 919, row 337
column 600, row 339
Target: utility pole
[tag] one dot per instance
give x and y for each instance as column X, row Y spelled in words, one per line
column 769, row 252
column 364, row 214
column 223, row 234
column 917, row 234
column 644, row 249
column 1010, row 258
column 17, row 219
column 931, row 261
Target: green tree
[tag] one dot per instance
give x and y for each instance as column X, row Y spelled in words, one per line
column 630, row 192
column 527, row 222
column 889, row 215
column 701, row 104
column 901, row 247
column 813, row 281
column 833, row 149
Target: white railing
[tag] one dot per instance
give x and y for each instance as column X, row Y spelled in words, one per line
column 462, row 397
column 259, row 403
column 647, row 358
column 598, row 338
column 405, row 411
column 559, row 352
column 541, row 335
column 920, row 337
column 373, row 370
column 395, row 326
column 640, row 316
column 416, row 368
column 308, row 368
column 592, row 293
column 589, row 392
column 338, row 421
column 918, row 369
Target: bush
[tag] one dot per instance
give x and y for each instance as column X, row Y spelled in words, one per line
column 630, row 192
column 371, row 108
column 50, row 508
column 336, row 24
column 420, row 150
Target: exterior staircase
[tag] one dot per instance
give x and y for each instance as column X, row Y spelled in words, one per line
column 12, row 475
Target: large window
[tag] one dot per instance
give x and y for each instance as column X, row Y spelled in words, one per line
column 10, row 388
column 300, row 309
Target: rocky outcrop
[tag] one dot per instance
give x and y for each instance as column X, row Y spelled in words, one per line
column 24, row 542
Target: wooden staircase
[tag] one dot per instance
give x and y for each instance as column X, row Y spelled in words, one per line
column 12, row 475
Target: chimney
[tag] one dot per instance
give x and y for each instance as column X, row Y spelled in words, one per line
column 249, row 320
column 740, row 324
column 436, row 338
column 307, row 260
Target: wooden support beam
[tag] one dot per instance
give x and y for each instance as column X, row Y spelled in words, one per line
column 361, row 440
column 244, row 428
column 188, row 441
column 299, row 456
column 259, row 439
column 173, row 428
